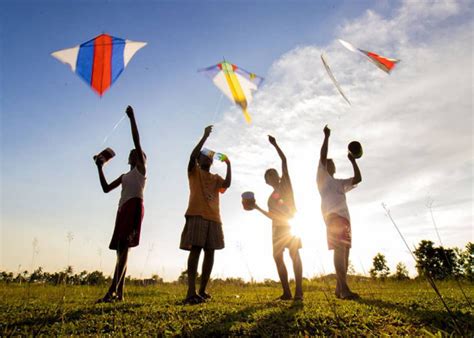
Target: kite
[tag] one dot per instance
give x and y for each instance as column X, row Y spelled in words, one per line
column 236, row 83
column 384, row 63
column 99, row 61
column 326, row 65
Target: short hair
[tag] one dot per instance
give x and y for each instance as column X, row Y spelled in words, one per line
column 268, row 171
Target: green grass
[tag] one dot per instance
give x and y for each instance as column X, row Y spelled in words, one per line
column 393, row 308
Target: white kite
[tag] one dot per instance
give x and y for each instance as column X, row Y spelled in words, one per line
column 331, row 75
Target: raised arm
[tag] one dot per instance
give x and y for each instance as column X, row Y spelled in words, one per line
column 357, row 176
column 324, row 147
column 228, row 176
column 196, row 151
column 136, row 141
column 284, row 165
column 103, row 182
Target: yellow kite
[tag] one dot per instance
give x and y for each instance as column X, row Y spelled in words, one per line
column 236, row 83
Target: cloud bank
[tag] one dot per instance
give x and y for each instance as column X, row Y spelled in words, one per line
column 415, row 126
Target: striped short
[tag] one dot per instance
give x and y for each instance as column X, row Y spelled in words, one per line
column 202, row 233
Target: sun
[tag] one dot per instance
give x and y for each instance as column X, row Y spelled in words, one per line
column 303, row 225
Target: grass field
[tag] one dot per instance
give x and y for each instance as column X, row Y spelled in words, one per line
column 394, row 308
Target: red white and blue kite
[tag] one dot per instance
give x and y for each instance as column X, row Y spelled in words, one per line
column 384, row 63
column 99, row 61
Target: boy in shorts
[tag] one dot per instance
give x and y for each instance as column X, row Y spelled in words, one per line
column 281, row 208
column 336, row 214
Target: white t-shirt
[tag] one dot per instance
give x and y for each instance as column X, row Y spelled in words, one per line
column 133, row 185
column 333, row 193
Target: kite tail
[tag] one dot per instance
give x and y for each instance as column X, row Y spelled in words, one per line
column 247, row 116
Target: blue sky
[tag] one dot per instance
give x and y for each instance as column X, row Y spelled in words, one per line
column 52, row 123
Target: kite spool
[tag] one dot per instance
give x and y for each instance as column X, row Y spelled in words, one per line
column 104, row 156
column 248, row 200
column 355, row 149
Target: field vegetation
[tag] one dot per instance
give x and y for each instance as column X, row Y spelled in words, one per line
column 391, row 306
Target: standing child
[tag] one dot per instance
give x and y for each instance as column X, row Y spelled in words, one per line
column 203, row 228
column 130, row 210
column 281, row 208
column 336, row 214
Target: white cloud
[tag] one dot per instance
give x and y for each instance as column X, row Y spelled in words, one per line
column 415, row 126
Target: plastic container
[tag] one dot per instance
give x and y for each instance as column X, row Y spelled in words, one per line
column 212, row 154
column 355, row 148
column 248, row 200
column 104, row 156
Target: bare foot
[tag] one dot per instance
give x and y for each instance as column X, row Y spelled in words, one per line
column 285, row 297
column 193, row 300
column 350, row 296
column 205, row 296
column 298, row 298
column 106, row 299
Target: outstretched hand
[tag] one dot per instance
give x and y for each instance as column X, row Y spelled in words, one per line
column 208, row 130
column 350, row 157
column 129, row 111
column 272, row 140
column 327, row 131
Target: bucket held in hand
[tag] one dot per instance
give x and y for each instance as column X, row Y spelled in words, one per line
column 104, row 156
column 248, row 200
column 355, row 149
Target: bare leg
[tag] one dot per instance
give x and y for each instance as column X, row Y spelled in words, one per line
column 283, row 274
column 339, row 264
column 298, row 269
column 206, row 271
column 193, row 261
column 119, row 274
column 123, row 257
column 347, row 259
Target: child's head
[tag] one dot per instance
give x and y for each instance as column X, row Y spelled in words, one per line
column 204, row 161
column 272, row 178
column 330, row 166
column 133, row 157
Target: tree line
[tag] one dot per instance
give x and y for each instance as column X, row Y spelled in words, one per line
column 438, row 262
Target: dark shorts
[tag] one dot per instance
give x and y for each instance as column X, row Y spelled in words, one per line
column 202, row 233
column 338, row 230
column 283, row 238
column 128, row 224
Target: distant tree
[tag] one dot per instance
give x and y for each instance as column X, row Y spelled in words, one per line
column 379, row 267
column 37, row 276
column 401, row 272
column 466, row 261
column 183, row 277
column 437, row 262
column 6, row 277
column 95, row 278
column 157, row 279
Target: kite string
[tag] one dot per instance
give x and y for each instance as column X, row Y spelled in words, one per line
column 427, row 275
column 217, row 109
column 430, row 207
column 113, row 129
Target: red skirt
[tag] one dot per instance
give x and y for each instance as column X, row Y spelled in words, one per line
column 338, row 231
column 128, row 224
